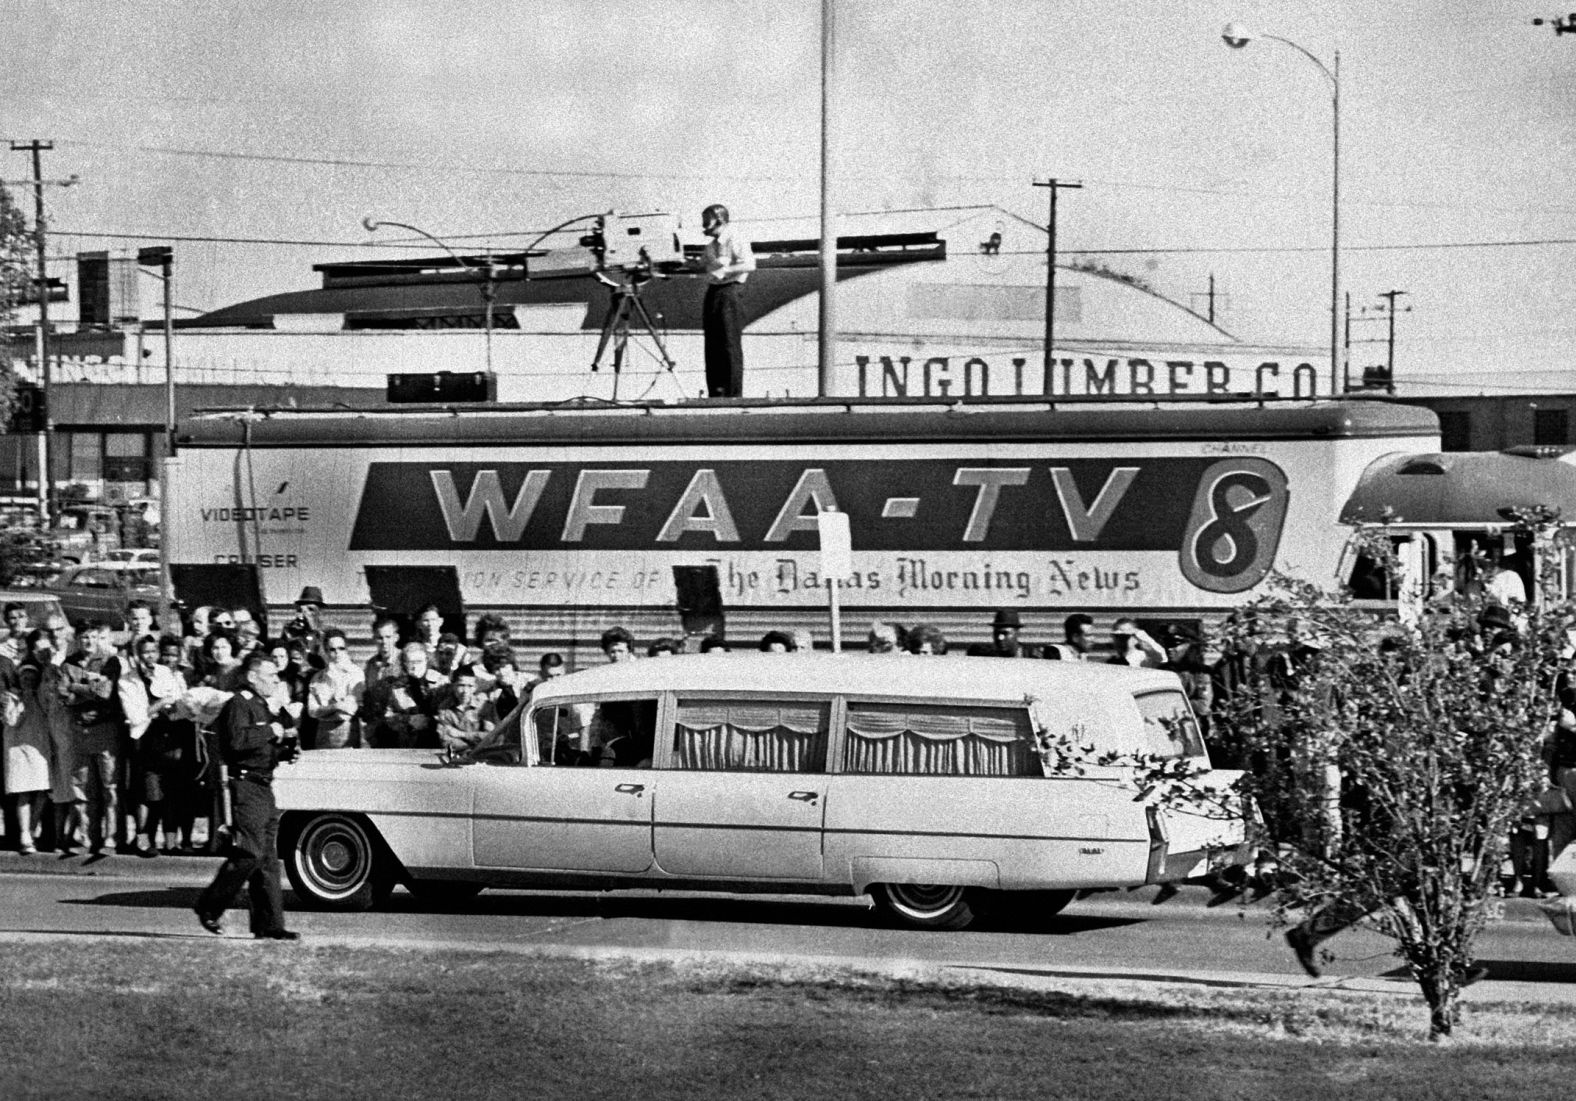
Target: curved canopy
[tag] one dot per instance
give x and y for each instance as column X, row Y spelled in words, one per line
column 1461, row 489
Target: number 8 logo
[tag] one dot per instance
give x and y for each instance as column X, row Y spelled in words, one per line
column 1234, row 529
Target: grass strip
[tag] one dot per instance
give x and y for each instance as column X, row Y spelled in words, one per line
column 154, row 1019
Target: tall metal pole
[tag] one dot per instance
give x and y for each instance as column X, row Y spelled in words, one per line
column 826, row 354
column 1050, row 282
column 166, row 513
column 1337, row 369
column 169, row 360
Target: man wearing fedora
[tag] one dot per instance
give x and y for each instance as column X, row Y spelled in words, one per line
column 307, row 625
column 1004, row 638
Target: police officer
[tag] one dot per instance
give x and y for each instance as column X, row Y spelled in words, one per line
column 252, row 740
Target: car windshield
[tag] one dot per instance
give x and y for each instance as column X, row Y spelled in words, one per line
column 503, row 742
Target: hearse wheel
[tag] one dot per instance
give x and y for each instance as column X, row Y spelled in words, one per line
column 336, row 862
column 928, row 905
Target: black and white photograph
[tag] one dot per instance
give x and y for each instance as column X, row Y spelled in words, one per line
column 512, row 515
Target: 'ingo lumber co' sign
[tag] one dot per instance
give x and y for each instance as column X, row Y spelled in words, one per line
column 975, row 376
column 1219, row 519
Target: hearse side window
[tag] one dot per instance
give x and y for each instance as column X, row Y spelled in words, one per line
column 610, row 733
column 1169, row 727
column 939, row 740
column 502, row 744
column 751, row 735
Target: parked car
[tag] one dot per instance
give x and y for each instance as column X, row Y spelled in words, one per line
column 141, row 556
column 102, row 590
column 83, row 532
column 40, row 605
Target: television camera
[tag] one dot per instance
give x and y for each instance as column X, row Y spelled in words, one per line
column 623, row 252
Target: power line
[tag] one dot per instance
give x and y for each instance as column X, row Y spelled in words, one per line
column 449, row 169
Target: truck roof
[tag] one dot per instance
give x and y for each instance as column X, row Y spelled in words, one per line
column 800, row 421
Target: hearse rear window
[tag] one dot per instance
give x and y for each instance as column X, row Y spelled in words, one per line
column 939, row 740
column 1169, row 727
column 751, row 735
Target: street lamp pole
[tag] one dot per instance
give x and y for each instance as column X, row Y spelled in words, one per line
column 1237, row 36
column 162, row 257
column 489, row 274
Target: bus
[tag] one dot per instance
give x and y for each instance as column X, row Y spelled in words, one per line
column 702, row 517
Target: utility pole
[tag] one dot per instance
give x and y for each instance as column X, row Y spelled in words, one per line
column 46, row 484
column 1391, row 296
column 1050, row 277
column 827, row 323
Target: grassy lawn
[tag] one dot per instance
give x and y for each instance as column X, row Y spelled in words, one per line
column 160, row 1019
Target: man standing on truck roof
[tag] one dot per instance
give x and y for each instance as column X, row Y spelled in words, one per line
column 728, row 260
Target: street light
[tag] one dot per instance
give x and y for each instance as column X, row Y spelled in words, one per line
column 1237, row 36
column 488, row 274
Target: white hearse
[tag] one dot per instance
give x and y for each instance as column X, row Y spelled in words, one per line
column 939, row 785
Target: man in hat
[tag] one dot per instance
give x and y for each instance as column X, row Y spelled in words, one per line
column 1004, row 638
column 307, row 625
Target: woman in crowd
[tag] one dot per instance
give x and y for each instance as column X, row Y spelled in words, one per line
column 220, row 662
column 27, row 749
column 45, row 678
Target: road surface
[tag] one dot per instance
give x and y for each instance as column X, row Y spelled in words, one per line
column 1117, row 935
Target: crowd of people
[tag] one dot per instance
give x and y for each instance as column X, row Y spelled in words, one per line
column 108, row 735
column 108, row 739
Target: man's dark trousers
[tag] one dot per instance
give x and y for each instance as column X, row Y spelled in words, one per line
column 722, row 320
column 253, row 860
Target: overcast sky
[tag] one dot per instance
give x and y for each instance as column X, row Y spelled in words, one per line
column 483, row 122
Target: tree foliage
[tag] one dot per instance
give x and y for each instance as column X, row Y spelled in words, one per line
column 15, row 280
column 1391, row 761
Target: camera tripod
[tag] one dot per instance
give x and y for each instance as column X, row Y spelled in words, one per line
column 615, row 327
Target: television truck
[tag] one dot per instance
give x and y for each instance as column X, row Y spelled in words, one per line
column 702, row 517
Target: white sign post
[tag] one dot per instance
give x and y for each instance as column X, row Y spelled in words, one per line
column 837, row 562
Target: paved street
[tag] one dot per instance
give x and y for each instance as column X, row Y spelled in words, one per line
column 1121, row 935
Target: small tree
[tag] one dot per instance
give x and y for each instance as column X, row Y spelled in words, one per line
column 1392, row 761
column 1389, row 761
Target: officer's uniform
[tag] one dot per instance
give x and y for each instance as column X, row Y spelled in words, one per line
column 246, row 741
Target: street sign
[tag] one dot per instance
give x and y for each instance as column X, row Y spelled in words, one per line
column 27, row 414
column 837, row 544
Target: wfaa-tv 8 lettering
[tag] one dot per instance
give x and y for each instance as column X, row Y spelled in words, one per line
column 569, row 520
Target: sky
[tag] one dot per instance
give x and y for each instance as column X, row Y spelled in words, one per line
column 255, row 138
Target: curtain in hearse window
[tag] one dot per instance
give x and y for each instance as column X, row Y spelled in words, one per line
column 751, row 736
column 939, row 740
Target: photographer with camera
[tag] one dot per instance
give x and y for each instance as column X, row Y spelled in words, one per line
column 728, row 261
column 253, row 739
